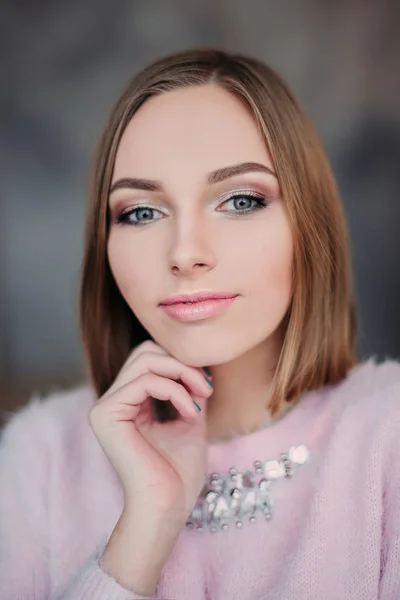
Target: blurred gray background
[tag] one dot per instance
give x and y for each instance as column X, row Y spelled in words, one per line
column 62, row 66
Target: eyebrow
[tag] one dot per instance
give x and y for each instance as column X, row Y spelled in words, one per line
column 214, row 177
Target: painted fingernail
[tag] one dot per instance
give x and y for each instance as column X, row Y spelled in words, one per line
column 207, row 372
column 209, row 382
column 196, row 406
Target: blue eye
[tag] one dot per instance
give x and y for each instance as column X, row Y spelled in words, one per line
column 143, row 215
column 244, row 203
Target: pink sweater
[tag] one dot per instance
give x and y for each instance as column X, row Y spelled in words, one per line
column 334, row 533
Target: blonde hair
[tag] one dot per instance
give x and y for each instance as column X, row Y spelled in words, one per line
column 320, row 326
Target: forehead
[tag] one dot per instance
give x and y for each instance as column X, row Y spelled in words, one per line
column 195, row 128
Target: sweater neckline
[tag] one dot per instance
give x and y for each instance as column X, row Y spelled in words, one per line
column 291, row 425
column 269, row 429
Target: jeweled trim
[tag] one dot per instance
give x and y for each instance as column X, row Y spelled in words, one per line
column 228, row 499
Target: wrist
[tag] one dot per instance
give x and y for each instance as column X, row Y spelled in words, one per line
column 138, row 549
column 137, row 513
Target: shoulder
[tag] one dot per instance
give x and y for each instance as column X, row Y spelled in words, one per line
column 369, row 397
column 46, row 419
column 372, row 377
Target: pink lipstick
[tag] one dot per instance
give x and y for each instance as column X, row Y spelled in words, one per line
column 197, row 306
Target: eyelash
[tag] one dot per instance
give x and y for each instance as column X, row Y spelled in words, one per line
column 262, row 202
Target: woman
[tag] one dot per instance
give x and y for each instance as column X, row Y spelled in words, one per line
column 229, row 445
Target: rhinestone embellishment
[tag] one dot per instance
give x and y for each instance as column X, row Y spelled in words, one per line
column 238, row 496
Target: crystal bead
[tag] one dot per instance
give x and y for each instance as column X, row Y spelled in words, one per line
column 222, row 509
column 236, row 493
column 218, row 485
column 265, row 499
column 197, row 513
column 246, row 505
column 211, row 496
column 264, row 485
column 299, row 454
column 273, row 469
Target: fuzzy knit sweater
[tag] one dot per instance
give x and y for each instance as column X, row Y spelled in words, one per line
column 334, row 533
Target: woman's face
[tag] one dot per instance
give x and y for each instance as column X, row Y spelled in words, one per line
column 190, row 231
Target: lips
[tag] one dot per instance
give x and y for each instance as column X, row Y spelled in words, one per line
column 196, row 297
column 199, row 310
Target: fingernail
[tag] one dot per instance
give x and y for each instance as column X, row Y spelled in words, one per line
column 196, row 406
column 209, row 382
column 207, row 372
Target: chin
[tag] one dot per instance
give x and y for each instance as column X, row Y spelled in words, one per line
column 212, row 346
column 212, row 355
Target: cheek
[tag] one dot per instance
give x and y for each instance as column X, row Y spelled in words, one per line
column 270, row 269
column 129, row 268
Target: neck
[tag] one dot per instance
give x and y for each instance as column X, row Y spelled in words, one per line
column 240, row 400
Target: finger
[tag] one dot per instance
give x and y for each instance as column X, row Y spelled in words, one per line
column 124, row 404
column 169, row 367
column 153, row 347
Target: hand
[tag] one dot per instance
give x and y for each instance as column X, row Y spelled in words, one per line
column 162, row 466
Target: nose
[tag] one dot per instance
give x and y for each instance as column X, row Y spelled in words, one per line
column 191, row 249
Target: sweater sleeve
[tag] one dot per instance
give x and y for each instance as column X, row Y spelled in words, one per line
column 390, row 553
column 24, row 474
column 25, row 553
column 92, row 583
